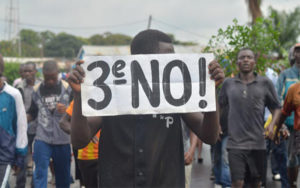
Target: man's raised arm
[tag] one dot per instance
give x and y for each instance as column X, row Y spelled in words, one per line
column 206, row 125
column 82, row 128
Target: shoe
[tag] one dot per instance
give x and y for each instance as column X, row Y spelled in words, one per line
column 200, row 160
column 52, row 181
column 276, row 177
column 29, row 172
column 212, row 176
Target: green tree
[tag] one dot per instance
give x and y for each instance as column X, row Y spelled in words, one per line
column 7, row 48
column 177, row 42
column 110, row 39
column 288, row 25
column 30, row 37
column 97, row 40
column 117, row 39
column 11, row 71
column 261, row 37
column 63, row 45
column 30, row 41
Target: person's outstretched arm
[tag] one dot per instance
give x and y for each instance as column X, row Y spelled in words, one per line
column 82, row 128
column 206, row 125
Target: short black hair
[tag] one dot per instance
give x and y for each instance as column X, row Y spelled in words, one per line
column 31, row 63
column 244, row 49
column 146, row 42
column 50, row 66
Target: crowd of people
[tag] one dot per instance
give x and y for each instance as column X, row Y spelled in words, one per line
column 41, row 125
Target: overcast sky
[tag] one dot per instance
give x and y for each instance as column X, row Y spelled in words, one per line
column 188, row 20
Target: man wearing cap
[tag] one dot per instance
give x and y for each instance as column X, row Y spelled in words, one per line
column 285, row 80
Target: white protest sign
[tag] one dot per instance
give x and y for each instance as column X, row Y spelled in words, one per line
column 147, row 84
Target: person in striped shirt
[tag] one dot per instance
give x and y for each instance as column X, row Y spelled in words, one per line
column 87, row 156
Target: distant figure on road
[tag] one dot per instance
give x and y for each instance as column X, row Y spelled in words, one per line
column 49, row 102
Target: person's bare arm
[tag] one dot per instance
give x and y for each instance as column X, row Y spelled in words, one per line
column 278, row 119
column 83, row 128
column 206, row 125
column 189, row 155
column 65, row 123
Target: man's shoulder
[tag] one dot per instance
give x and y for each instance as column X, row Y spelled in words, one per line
column 37, row 86
column 11, row 90
column 21, row 84
column 290, row 72
column 294, row 86
column 264, row 79
column 228, row 81
column 65, row 84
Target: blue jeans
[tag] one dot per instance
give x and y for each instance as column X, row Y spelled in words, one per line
column 61, row 155
column 279, row 162
column 221, row 167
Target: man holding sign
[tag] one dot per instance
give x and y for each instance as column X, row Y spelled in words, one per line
column 141, row 150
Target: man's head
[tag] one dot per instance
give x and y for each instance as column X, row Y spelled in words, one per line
column 50, row 72
column 296, row 53
column 246, row 60
column 151, row 42
column 29, row 72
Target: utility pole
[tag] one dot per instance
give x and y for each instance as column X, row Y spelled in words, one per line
column 149, row 22
column 18, row 29
column 12, row 20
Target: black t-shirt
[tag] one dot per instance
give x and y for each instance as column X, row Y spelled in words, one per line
column 50, row 97
column 246, row 105
column 141, row 151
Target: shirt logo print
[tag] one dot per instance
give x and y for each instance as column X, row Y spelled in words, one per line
column 169, row 119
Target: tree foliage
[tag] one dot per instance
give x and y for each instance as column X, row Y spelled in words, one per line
column 110, row 39
column 63, row 45
column 288, row 26
column 261, row 37
column 49, row 44
column 177, row 42
column 8, row 48
column 11, row 71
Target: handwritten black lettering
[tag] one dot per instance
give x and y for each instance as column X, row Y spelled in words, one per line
column 137, row 76
column 116, row 68
column 100, row 84
column 186, row 83
column 202, row 81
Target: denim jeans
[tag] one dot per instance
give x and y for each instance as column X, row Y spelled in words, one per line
column 279, row 161
column 61, row 155
column 221, row 167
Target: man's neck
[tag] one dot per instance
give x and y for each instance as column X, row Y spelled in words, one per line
column 30, row 82
column 247, row 77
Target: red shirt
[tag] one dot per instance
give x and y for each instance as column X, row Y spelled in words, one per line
column 292, row 103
